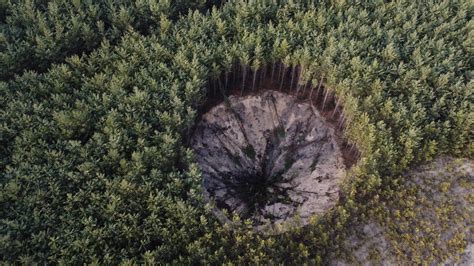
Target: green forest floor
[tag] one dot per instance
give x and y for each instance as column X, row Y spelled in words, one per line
column 442, row 213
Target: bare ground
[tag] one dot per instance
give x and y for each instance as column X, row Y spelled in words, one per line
column 440, row 231
column 275, row 136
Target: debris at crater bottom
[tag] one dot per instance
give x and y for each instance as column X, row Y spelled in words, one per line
column 268, row 157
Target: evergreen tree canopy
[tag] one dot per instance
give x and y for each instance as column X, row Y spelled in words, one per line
column 98, row 97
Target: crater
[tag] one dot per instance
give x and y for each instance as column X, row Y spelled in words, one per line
column 268, row 157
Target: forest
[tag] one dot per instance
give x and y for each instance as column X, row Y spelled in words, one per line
column 99, row 101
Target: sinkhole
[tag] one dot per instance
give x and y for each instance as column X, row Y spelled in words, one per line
column 268, row 157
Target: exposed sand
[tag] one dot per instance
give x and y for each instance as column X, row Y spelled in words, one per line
column 274, row 135
column 444, row 204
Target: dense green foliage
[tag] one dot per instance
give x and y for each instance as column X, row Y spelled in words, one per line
column 36, row 34
column 94, row 163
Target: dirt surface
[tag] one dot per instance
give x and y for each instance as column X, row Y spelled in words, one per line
column 269, row 140
column 441, row 231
